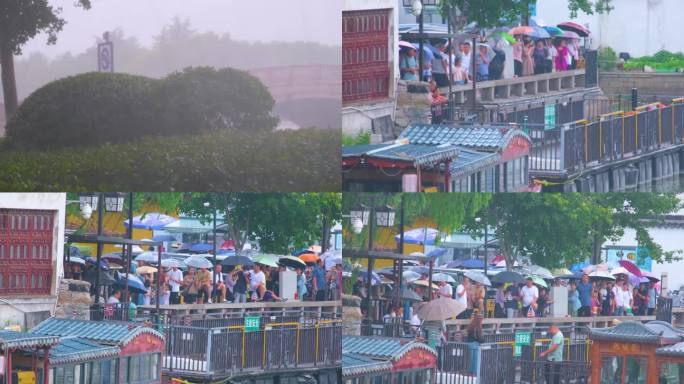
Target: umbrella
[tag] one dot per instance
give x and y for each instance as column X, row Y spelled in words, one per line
column 490, row 51
column 620, row 271
column 534, row 32
column 478, row 277
column 201, row 247
column 93, row 261
column 113, row 258
column 292, row 262
column 151, row 221
column 508, row 277
column 424, row 283
column 443, row 277
column 557, row 272
column 473, row 264
column 574, row 27
column 440, row 309
column 427, row 52
column 198, row 262
column 76, row 260
column 135, row 249
column 601, row 275
column 164, row 237
column 407, row 294
column 375, row 279
column 237, row 260
column 649, row 276
column 134, row 284
column 553, row 31
column 406, row 44
column 145, row 269
column 570, row 35
column 411, row 276
column 419, row 236
column 635, row 281
column 330, row 262
column 537, row 22
column 505, row 36
column 74, row 251
column 267, row 260
column 455, row 264
column 538, row 280
column 421, row 269
column 105, row 278
column 540, row 271
column 631, row 267
column 334, row 253
column 225, row 252
column 147, row 257
column 437, row 252
column 171, row 262
column 309, row 257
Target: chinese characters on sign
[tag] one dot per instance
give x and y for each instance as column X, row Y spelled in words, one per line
column 521, row 338
column 252, row 323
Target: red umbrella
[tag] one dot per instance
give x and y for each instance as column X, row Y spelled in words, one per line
column 575, row 27
column 631, row 267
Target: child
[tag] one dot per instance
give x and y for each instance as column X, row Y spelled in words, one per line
column 595, row 303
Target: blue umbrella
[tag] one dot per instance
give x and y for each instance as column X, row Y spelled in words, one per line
column 473, row 264
column 455, row 264
column 134, row 284
column 201, row 247
column 148, row 257
column 164, row 237
column 418, row 236
column 93, row 261
column 437, row 252
column 427, row 52
column 539, row 33
column 74, row 251
column 375, row 279
column 151, row 221
column 225, row 252
column 421, row 269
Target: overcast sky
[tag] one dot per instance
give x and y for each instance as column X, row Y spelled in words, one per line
column 263, row 20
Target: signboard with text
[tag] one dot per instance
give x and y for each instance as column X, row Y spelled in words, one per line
column 105, row 57
column 252, row 323
column 521, row 338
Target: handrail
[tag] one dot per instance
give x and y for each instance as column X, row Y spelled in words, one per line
column 214, row 306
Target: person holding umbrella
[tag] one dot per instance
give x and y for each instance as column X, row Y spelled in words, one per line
column 240, row 285
column 219, row 284
column 482, row 62
column 301, row 285
column 190, row 287
column 529, row 294
column 175, row 276
column 408, row 65
column 320, row 286
column 584, row 288
column 462, row 298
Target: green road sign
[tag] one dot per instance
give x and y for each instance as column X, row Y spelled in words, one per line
column 517, row 350
column 549, row 116
column 252, row 323
column 521, row 338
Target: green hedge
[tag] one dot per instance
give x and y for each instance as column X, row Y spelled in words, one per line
column 302, row 160
column 662, row 61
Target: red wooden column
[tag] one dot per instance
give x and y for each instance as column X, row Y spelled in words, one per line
column 46, row 367
column 8, row 372
column 447, row 179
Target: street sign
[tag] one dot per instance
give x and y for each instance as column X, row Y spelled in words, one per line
column 521, row 338
column 252, row 323
column 549, row 116
column 105, row 55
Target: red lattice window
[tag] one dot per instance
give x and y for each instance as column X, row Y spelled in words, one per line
column 365, row 55
column 26, row 247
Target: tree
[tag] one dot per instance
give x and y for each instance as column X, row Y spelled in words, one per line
column 20, row 21
column 203, row 98
column 491, row 13
column 279, row 221
column 560, row 229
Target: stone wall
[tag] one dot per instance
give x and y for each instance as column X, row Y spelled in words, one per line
column 413, row 104
column 73, row 300
column 621, row 83
column 351, row 315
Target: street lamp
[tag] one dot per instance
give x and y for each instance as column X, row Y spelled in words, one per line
column 114, row 201
column 213, row 271
column 360, row 212
column 384, row 216
column 486, row 240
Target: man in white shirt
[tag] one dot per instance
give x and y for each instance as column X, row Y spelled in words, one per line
column 114, row 298
column 462, row 297
column 466, row 58
column 257, row 280
column 619, row 300
column 445, row 289
column 529, row 294
column 219, row 283
column 175, row 281
column 626, row 296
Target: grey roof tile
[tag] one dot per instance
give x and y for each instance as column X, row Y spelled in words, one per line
column 637, row 332
column 12, row 339
column 76, row 349
column 380, row 347
column 99, row 331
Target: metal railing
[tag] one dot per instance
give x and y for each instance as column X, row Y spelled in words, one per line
column 234, row 349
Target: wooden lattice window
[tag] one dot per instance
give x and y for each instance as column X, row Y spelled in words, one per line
column 26, row 251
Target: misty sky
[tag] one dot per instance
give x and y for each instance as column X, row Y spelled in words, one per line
column 263, row 20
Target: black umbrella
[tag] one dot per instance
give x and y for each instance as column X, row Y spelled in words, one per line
column 237, row 260
column 508, row 277
column 407, row 294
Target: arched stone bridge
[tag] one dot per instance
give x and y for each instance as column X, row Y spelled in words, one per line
column 298, row 82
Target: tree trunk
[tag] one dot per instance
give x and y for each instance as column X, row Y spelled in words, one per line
column 9, row 85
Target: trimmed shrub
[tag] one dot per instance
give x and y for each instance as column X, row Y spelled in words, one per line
column 302, row 160
column 88, row 109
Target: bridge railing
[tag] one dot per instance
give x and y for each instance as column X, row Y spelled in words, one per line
column 612, row 137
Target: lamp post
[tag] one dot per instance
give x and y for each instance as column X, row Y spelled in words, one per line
column 110, row 202
column 213, row 205
column 486, row 240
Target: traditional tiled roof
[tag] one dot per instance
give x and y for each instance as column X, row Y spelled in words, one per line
column 671, row 350
column 381, row 348
column 354, row 364
column 634, row 331
column 415, row 154
column 12, row 340
column 100, row 331
column 469, row 161
column 484, row 137
column 75, row 349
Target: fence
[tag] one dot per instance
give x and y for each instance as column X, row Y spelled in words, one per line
column 664, row 309
column 233, row 349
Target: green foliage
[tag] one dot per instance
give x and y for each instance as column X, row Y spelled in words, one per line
column 99, row 108
column 307, row 159
column 361, row 138
column 210, row 100
column 663, row 61
column 281, row 221
column 87, row 109
column 607, row 59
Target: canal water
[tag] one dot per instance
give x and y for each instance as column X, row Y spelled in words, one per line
column 671, row 184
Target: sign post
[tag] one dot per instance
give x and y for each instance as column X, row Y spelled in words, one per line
column 521, row 338
column 549, row 116
column 105, row 55
column 252, row 323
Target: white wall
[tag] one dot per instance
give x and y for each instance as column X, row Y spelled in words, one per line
column 357, row 118
column 640, row 27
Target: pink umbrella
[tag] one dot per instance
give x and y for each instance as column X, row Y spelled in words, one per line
column 649, row 275
column 574, row 27
column 406, row 44
column 570, row 35
column 631, row 267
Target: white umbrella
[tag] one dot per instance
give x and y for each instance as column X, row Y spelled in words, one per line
column 330, row 262
column 170, row 263
column 76, row 260
column 490, row 51
column 620, row 271
column 478, row 277
column 440, row 309
column 601, row 275
column 135, row 248
column 148, row 257
column 442, row 277
column 410, row 276
column 540, row 271
column 198, row 262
